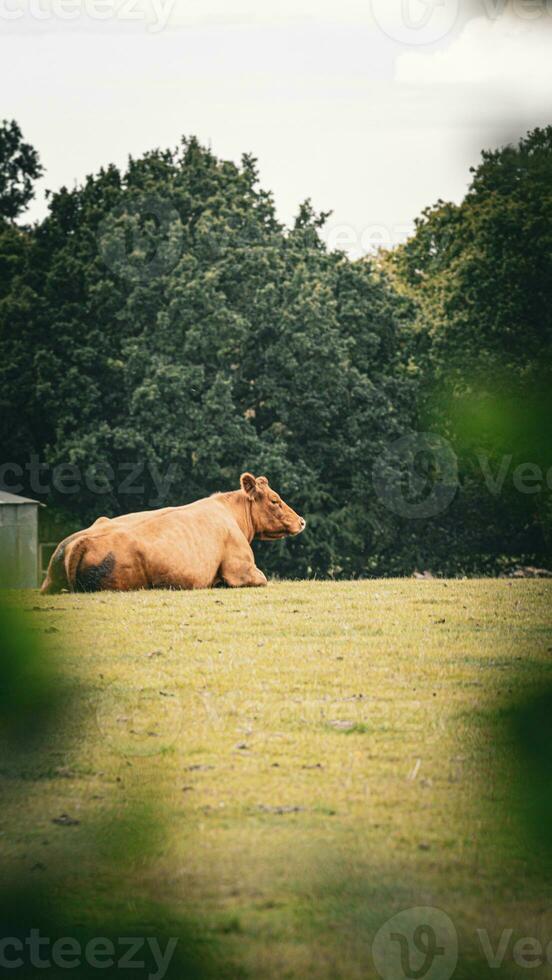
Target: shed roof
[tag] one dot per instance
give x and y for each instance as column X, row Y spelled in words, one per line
column 12, row 498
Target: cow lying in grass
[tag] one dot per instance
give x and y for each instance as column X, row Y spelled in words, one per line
column 190, row 547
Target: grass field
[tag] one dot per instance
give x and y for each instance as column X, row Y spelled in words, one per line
column 285, row 768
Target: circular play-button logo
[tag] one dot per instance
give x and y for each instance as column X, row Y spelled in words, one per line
column 417, row 475
column 416, row 21
column 417, row 944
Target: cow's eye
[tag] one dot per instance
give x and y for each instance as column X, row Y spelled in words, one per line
column 274, row 501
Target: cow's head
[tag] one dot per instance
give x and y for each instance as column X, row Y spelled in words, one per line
column 271, row 517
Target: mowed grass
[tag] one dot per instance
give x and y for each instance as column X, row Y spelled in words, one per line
column 289, row 766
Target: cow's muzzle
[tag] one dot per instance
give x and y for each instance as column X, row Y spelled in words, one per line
column 303, row 524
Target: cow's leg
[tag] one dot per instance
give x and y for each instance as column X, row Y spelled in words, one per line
column 242, row 572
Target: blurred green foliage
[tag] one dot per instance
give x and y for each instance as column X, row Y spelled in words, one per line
column 30, row 692
column 530, row 728
column 87, row 896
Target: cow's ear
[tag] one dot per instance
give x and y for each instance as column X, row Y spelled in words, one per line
column 248, row 484
column 262, row 481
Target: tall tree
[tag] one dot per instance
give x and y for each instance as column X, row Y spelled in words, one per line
column 19, row 168
column 480, row 274
column 177, row 327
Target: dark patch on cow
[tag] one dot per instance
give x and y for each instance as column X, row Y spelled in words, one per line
column 91, row 578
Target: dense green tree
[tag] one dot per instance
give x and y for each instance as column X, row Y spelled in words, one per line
column 19, row 168
column 174, row 333
column 480, row 274
column 160, row 331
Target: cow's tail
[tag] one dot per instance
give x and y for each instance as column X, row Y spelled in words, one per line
column 73, row 558
column 79, row 566
column 56, row 576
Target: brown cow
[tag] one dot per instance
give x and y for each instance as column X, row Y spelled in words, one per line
column 189, row 547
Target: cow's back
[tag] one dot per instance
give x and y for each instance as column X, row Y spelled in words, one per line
column 176, row 547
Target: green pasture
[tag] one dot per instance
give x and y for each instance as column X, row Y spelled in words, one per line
column 281, row 770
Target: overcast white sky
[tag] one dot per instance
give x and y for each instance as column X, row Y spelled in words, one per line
column 374, row 109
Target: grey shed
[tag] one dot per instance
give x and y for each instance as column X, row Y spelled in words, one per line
column 18, row 541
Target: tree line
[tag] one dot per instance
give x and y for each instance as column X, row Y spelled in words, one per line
column 161, row 331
